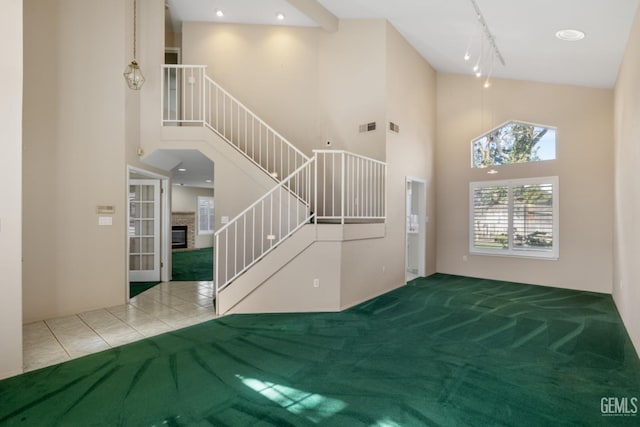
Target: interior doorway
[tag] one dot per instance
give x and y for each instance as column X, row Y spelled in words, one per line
column 190, row 212
column 415, row 228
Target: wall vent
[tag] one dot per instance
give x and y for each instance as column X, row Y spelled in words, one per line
column 368, row 127
column 394, row 127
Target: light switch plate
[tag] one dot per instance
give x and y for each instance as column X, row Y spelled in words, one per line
column 105, row 220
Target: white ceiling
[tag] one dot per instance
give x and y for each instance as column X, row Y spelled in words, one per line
column 198, row 167
column 440, row 30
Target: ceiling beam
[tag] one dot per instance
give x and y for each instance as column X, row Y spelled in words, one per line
column 314, row 10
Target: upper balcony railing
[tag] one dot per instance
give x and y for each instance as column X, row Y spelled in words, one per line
column 349, row 187
column 191, row 98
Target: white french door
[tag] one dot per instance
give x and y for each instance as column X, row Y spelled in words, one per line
column 144, row 230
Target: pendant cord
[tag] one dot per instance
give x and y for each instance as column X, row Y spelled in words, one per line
column 135, row 18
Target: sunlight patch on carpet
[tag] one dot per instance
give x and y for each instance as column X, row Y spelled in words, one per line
column 312, row 406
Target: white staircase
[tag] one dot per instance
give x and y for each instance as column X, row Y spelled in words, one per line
column 330, row 186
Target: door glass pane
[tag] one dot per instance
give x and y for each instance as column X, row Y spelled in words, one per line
column 134, row 192
column 147, row 244
column 147, row 227
column 147, row 210
column 146, row 262
column 134, row 245
column 147, row 193
column 134, row 262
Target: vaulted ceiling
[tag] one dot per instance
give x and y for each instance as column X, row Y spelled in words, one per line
column 441, row 30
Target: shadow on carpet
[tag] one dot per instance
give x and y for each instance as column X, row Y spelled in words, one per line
column 440, row 351
column 192, row 266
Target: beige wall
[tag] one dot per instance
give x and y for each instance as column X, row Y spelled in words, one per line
column 364, row 72
column 411, row 104
column 185, row 199
column 373, row 266
column 626, row 284
column 10, row 190
column 351, row 87
column 584, row 165
column 271, row 69
column 310, row 85
column 74, row 156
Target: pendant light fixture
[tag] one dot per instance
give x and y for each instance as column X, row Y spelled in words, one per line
column 133, row 73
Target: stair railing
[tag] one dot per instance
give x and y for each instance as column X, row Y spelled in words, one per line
column 332, row 186
column 261, row 227
column 191, row 98
column 349, row 187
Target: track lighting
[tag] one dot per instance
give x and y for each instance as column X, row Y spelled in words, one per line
column 488, row 55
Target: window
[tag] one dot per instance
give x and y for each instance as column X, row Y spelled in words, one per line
column 514, row 142
column 515, row 217
column 205, row 215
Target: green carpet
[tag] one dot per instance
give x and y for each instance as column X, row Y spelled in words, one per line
column 441, row 351
column 192, row 266
column 136, row 288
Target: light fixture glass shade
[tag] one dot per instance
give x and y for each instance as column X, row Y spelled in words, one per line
column 133, row 76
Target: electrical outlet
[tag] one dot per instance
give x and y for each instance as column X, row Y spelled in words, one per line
column 316, row 283
column 465, row 258
column 384, row 268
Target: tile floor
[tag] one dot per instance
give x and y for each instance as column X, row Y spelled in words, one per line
column 163, row 308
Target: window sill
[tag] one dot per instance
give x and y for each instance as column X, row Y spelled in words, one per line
column 531, row 256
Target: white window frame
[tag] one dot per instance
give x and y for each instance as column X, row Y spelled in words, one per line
column 211, row 225
column 511, row 251
column 508, row 122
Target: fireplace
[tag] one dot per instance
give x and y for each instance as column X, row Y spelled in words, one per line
column 183, row 226
column 179, row 237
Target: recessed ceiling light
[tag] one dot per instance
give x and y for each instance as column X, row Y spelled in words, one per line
column 280, row 16
column 570, row 35
column 208, row 181
column 182, row 170
column 219, row 13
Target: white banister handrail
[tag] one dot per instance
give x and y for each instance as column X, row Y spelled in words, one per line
column 349, row 187
column 350, row 154
column 273, row 190
column 265, row 124
column 261, row 227
column 191, row 98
